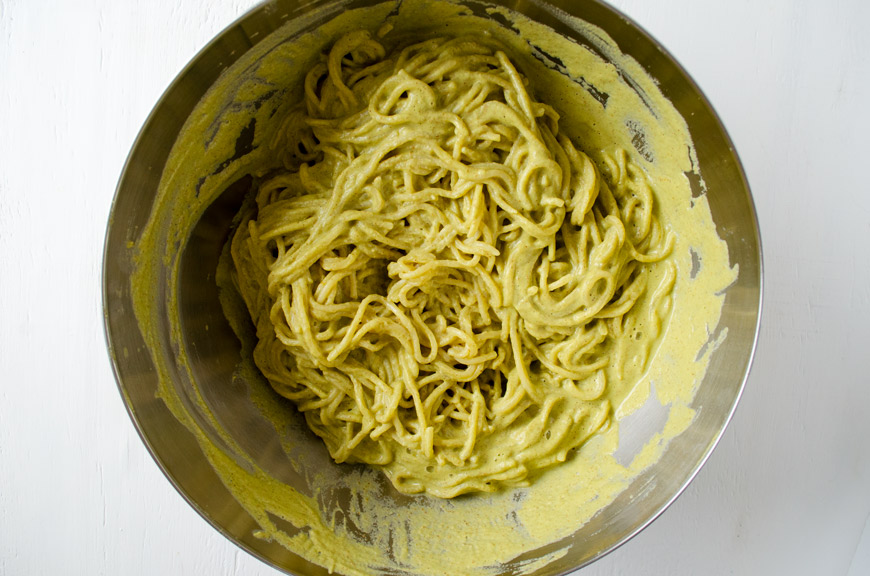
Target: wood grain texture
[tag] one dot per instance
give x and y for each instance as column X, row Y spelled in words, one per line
column 786, row 491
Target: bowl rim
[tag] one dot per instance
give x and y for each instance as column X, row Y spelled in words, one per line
column 546, row 5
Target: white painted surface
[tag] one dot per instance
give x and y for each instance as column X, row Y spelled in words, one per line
column 786, row 492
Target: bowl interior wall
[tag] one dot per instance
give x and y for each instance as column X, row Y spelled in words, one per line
column 215, row 349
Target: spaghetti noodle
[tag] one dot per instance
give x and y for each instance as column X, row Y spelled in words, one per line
column 441, row 282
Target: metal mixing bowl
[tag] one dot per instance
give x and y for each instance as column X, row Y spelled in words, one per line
column 217, row 350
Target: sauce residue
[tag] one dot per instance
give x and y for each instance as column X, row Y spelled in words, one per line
column 345, row 519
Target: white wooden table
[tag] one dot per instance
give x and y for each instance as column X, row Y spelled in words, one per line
column 786, row 492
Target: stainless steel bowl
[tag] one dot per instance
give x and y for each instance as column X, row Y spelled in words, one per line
column 217, row 350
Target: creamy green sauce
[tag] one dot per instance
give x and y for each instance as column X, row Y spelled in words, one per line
column 473, row 534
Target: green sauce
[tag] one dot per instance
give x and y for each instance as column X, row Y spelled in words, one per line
column 472, row 534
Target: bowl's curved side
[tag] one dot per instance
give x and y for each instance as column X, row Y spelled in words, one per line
column 727, row 190
column 173, row 447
